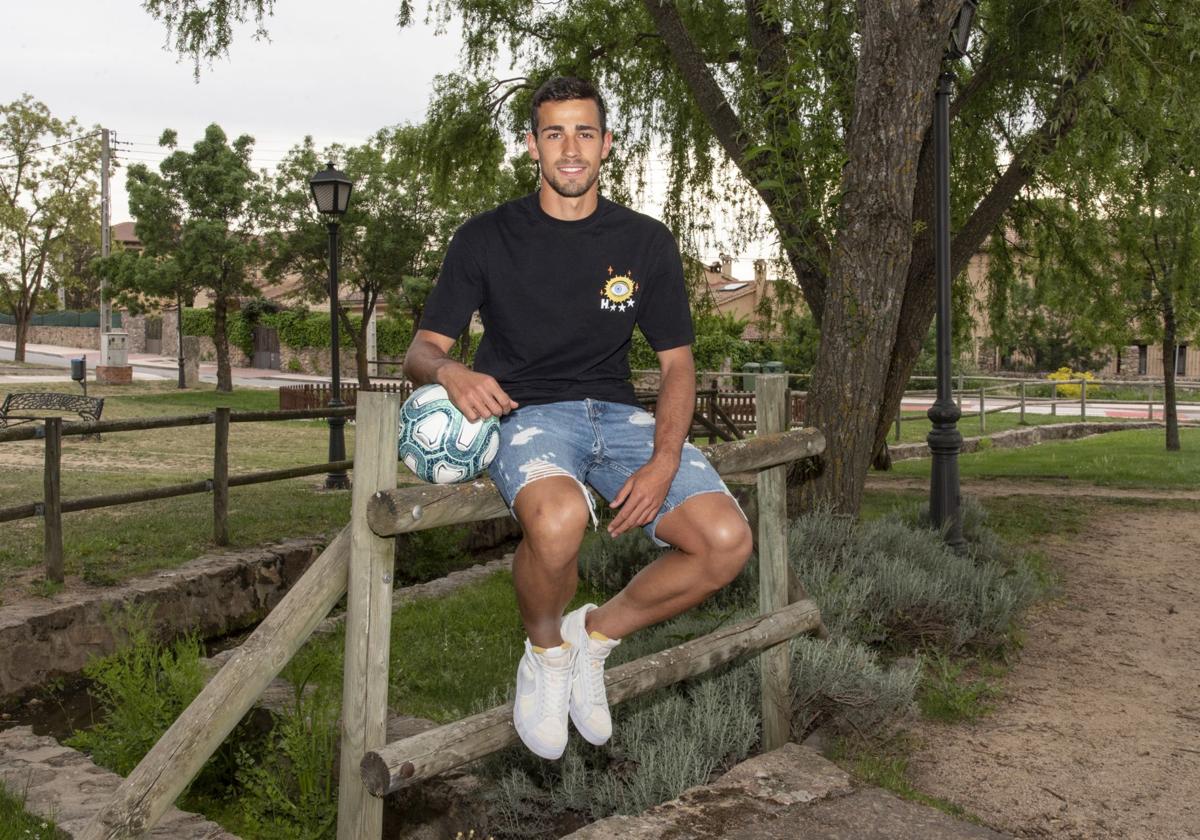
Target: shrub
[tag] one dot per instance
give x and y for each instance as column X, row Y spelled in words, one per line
column 893, row 584
column 1065, row 373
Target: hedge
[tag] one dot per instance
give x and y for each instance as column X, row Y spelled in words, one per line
column 298, row 329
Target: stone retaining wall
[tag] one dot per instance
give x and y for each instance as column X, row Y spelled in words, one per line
column 85, row 338
column 1027, row 436
column 212, row 596
column 64, row 785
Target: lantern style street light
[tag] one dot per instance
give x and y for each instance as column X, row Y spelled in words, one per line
column 331, row 192
column 945, row 441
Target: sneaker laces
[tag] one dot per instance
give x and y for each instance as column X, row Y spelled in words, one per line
column 557, row 688
column 595, row 677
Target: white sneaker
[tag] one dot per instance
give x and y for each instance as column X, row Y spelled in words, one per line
column 540, row 708
column 589, row 701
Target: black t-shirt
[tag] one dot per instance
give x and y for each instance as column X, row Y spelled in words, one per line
column 559, row 299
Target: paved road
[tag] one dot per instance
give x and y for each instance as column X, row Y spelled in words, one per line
column 146, row 367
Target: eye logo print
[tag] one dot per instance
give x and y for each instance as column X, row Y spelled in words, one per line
column 617, row 294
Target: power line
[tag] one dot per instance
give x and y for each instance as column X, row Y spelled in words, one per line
column 51, row 146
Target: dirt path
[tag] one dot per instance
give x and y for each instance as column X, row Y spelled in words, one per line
column 1097, row 735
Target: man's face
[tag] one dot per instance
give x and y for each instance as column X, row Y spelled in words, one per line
column 569, row 145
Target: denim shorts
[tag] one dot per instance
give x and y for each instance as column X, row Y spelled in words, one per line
column 596, row 443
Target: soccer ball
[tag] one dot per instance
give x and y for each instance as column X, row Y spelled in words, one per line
column 439, row 444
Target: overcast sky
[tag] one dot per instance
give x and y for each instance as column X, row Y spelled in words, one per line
column 336, row 71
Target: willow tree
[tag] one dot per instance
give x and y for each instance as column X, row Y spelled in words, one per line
column 821, row 112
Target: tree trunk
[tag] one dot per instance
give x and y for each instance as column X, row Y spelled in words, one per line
column 1170, row 356
column 359, row 337
column 898, row 65
column 22, row 316
column 221, row 340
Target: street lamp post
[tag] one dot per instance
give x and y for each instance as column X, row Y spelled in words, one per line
column 945, row 441
column 331, row 192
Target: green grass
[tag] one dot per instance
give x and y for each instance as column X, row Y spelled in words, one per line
column 111, row 544
column 18, row 824
column 1132, row 459
column 885, row 765
column 450, row 656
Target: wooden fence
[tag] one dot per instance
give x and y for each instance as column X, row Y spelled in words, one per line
column 53, row 506
column 359, row 563
column 725, row 415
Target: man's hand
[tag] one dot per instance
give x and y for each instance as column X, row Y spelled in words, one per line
column 642, row 495
column 476, row 395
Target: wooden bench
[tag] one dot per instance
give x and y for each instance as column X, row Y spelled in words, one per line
column 88, row 408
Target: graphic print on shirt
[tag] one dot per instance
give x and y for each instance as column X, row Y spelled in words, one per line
column 617, row 294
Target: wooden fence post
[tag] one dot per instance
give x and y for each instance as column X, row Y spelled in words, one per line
column 368, row 617
column 775, row 663
column 982, row 411
column 221, row 478
column 1083, row 400
column 1150, row 399
column 1022, row 402
column 1054, row 398
column 52, row 501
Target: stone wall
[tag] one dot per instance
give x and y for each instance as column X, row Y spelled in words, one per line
column 211, row 596
column 135, row 327
column 85, row 338
column 1028, row 436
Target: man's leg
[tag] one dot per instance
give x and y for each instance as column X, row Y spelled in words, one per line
column 553, row 516
column 711, row 545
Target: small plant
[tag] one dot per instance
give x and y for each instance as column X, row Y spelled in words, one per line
column 45, row 588
column 290, row 792
column 96, row 574
column 946, row 696
column 294, row 365
column 18, row 824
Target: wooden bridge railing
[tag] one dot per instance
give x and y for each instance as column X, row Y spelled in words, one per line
column 359, row 563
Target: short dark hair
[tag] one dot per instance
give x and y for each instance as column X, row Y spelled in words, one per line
column 562, row 88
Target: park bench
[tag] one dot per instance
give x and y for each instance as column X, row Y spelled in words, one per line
column 88, row 408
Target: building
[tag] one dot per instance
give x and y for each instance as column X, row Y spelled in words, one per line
column 729, row 295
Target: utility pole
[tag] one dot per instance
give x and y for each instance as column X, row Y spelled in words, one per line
column 105, row 241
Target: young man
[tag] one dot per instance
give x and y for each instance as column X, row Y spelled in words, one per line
column 560, row 279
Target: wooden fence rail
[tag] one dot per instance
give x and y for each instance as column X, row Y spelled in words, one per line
column 360, row 561
column 52, row 506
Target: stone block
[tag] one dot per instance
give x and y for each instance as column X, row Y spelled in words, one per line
column 114, row 374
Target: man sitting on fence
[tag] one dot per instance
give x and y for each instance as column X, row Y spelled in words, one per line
column 560, row 278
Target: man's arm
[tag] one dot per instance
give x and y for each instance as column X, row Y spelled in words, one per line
column 476, row 395
column 643, row 494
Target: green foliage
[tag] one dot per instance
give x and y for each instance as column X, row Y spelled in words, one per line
column 48, row 171
column 840, row 682
column 432, row 553
column 1065, row 374
column 298, row 329
column 142, row 688
column 289, row 791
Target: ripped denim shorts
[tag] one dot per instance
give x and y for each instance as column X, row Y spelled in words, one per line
column 597, row 443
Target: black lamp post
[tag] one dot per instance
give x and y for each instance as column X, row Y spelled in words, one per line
column 945, row 441
column 331, row 191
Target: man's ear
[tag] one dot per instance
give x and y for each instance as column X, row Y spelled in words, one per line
column 606, row 146
column 531, row 144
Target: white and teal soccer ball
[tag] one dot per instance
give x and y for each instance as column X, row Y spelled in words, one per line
column 439, row 444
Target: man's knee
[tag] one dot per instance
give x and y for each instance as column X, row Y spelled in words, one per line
column 553, row 516
column 728, row 544
column 711, row 529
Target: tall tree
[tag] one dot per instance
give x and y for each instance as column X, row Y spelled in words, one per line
column 48, row 202
column 821, row 112
column 195, row 218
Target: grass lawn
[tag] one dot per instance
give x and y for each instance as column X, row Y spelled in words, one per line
column 111, row 544
column 1120, row 459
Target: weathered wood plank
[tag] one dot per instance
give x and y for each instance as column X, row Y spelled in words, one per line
column 175, row 760
column 368, row 617
column 775, row 671
column 425, row 755
column 432, row 505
